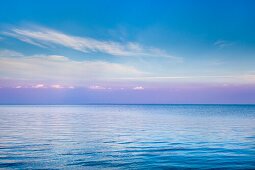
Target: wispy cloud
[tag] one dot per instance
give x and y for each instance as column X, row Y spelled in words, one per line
column 38, row 86
column 138, row 88
column 60, row 69
column 223, row 43
column 57, row 86
column 45, row 37
column 45, row 86
column 173, row 77
column 233, row 79
column 97, row 88
column 10, row 53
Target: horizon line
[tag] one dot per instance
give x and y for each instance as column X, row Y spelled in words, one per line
column 133, row 104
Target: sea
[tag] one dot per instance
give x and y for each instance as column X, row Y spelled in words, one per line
column 127, row 137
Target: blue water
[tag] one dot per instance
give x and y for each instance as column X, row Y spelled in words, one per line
column 127, row 137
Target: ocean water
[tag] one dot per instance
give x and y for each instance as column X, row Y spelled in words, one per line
column 127, row 137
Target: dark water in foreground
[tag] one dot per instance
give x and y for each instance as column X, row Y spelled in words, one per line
column 127, row 136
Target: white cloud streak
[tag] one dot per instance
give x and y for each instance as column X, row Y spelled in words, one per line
column 236, row 79
column 38, row 86
column 60, row 69
column 173, row 77
column 97, row 88
column 138, row 88
column 10, row 53
column 223, row 43
column 44, row 37
column 56, row 86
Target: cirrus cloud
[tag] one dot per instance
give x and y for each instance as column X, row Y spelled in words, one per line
column 223, row 43
column 60, row 69
column 44, row 37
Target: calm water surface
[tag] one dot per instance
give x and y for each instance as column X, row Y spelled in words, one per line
column 127, row 137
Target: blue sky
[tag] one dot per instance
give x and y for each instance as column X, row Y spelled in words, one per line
column 127, row 45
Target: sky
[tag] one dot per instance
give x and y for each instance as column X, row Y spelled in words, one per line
column 127, row 52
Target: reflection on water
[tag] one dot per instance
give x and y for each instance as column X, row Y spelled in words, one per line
column 127, row 136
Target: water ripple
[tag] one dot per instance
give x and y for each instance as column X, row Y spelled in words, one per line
column 127, row 137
